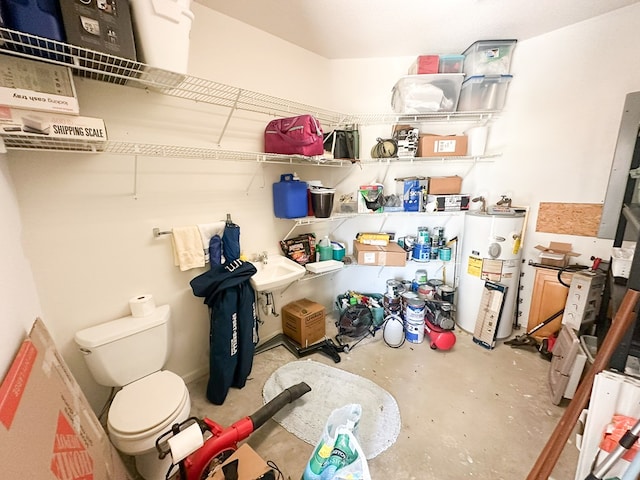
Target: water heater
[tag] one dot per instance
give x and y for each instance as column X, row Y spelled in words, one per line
column 491, row 251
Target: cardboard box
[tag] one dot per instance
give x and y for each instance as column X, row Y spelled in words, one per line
column 250, row 464
column 48, row 427
column 445, row 185
column 101, row 25
column 447, row 203
column 557, row 254
column 411, row 190
column 37, row 86
column 372, row 193
column 303, row 321
column 430, row 145
column 406, row 137
column 392, row 254
column 39, row 127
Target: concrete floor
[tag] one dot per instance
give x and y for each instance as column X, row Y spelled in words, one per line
column 466, row 413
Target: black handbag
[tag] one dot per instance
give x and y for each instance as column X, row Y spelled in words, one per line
column 343, row 144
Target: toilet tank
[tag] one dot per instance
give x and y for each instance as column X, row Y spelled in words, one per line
column 124, row 350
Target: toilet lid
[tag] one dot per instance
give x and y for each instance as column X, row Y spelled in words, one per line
column 147, row 402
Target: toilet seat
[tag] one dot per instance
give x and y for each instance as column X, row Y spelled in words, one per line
column 144, row 409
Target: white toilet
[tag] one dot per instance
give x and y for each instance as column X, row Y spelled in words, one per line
column 129, row 353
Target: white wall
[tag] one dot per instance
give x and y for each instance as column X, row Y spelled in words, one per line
column 20, row 305
column 87, row 228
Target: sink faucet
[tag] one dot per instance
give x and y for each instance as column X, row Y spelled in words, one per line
column 261, row 257
column 483, row 205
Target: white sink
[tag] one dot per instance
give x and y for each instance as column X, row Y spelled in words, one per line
column 278, row 272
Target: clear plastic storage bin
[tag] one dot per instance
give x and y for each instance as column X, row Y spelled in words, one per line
column 489, row 57
column 427, row 93
column 484, row 92
column 451, row 64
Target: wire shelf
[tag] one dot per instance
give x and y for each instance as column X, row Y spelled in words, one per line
column 109, row 68
column 42, row 143
column 103, row 67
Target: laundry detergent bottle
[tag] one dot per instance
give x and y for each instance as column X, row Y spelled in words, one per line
column 324, row 249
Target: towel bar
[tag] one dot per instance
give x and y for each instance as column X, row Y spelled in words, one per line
column 157, row 232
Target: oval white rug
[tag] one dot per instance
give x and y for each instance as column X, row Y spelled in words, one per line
column 333, row 388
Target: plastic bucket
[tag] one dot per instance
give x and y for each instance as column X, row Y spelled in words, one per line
column 162, row 30
column 322, row 202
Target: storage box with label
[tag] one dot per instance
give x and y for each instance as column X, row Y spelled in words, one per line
column 392, row 254
column 447, row 203
column 556, row 254
column 406, row 138
column 442, row 145
column 370, row 199
column 103, row 26
column 33, row 85
column 40, row 128
column 303, row 321
column 445, row 185
column 411, row 189
column 48, row 427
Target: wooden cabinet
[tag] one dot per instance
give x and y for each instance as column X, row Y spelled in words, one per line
column 549, row 296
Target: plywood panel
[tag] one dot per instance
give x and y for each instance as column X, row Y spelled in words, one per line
column 569, row 218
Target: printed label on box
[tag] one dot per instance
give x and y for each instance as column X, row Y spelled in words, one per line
column 444, row 146
column 369, row 257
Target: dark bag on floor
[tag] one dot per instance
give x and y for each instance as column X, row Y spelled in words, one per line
column 301, row 135
column 343, row 144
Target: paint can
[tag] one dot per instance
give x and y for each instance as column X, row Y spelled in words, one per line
column 394, row 287
column 447, row 293
column 425, row 292
column 423, row 235
column 444, row 253
column 414, row 320
column 421, row 252
column 391, row 303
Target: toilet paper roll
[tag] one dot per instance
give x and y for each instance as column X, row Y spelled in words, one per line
column 186, row 442
column 142, row 305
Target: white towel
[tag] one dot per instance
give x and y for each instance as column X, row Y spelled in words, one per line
column 207, row 231
column 187, row 247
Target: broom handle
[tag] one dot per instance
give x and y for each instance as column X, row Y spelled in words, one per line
column 551, row 452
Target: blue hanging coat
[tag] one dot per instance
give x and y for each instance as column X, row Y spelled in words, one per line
column 233, row 332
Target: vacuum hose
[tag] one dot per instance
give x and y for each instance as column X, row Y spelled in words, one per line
column 288, row 395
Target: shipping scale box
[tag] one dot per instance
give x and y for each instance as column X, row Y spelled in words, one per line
column 304, row 321
column 101, row 25
column 47, row 427
column 392, row 254
column 442, row 145
column 38, row 128
column 34, row 85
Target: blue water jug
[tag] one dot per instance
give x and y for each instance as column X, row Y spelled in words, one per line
column 290, row 197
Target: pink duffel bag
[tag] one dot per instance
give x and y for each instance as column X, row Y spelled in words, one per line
column 301, row 135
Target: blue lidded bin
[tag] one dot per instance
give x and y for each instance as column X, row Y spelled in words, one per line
column 290, row 197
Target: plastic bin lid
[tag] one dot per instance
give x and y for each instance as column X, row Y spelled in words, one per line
column 500, row 42
column 488, row 78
